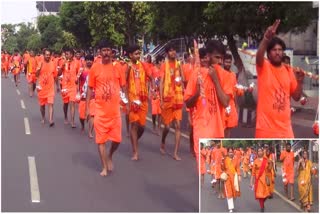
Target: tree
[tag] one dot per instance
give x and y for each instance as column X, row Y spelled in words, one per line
column 7, row 30
column 176, row 19
column 24, row 34
column 10, row 44
column 73, row 19
column 229, row 19
column 121, row 22
column 34, row 42
column 51, row 32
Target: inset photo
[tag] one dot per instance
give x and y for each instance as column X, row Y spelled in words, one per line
column 259, row 175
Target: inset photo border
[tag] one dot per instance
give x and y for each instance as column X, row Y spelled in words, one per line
column 269, row 175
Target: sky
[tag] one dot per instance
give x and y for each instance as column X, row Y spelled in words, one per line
column 13, row 12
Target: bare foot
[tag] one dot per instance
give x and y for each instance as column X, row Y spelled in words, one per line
column 135, row 157
column 66, row 121
column 162, row 150
column 42, row 121
column 90, row 135
column 110, row 165
column 104, row 172
column 177, row 158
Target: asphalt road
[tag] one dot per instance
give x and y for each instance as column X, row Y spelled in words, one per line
column 68, row 166
column 247, row 202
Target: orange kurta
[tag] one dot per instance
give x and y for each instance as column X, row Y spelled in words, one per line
column 288, row 166
column 106, row 80
column 275, row 86
column 68, row 82
column 187, row 71
column 232, row 168
column 261, row 188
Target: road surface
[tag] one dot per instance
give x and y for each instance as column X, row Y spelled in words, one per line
column 68, row 166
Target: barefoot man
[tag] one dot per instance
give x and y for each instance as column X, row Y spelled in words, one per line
column 171, row 98
column 46, row 72
column 106, row 80
column 138, row 74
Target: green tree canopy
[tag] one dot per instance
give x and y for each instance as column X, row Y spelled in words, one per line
column 228, row 19
column 121, row 22
column 73, row 19
column 51, row 32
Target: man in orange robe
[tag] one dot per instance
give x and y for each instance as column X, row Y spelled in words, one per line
column 277, row 83
column 287, row 157
column 82, row 80
column 16, row 64
column 208, row 108
column 188, row 68
column 106, row 80
column 25, row 58
column 69, row 71
column 138, row 74
column 155, row 95
column 46, row 72
column 31, row 66
column 231, row 119
column 171, row 98
column 5, row 63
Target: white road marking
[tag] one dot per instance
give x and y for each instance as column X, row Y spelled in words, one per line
column 18, row 92
column 27, row 126
column 288, row 201
column 171, row 129
column 22, row 104
column 34, row 185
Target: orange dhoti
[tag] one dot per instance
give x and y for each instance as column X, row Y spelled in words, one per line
column 107, row 128
column 92, row 107
column 140, row 115
column 82, row 109
column 170, row 114
column 31, row 78
column 69, row 96
column 155, row 104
